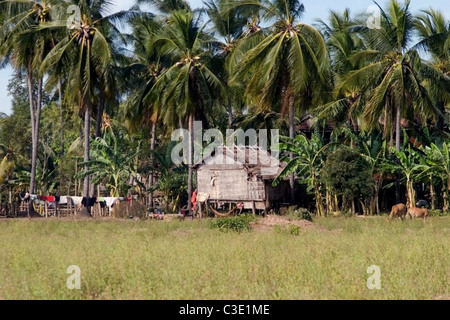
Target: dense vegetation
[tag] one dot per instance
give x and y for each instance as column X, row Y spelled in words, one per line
column 95, row 104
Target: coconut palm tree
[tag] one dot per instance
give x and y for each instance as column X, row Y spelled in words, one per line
column 434, row 33
column 390, row 81
column 142, row 73
column 188, row 87
column 25, row 47
column 391, row 78
column 341, row 35
column 228, row 27
column 281, row 71
column 166, row 6
column 87, row 55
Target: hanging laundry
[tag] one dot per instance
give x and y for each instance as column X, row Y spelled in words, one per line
column 63, row 200
column 88, row 202
column 77, row 200
column 110, row 202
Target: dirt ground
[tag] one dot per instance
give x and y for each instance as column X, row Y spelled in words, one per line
column 270, row 222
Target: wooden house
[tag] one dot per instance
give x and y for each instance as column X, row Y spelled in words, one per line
column 242, row 175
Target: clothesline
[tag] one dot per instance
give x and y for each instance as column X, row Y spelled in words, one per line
column 77, row 201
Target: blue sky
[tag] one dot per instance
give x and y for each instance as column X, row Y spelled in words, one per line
column 313, row 9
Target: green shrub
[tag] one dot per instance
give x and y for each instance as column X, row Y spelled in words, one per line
column 236, row 224
column 438, row 213
column 299, row 214
column 294, row 230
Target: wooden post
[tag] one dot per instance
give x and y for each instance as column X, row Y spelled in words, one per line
column 253, row 208
column 200, row 210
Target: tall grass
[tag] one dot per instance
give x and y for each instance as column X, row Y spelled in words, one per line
column 189, row 260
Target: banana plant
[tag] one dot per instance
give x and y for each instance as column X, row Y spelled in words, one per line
column 438, row 165
column 308, row 160
column 112, row 163
column 407, row 162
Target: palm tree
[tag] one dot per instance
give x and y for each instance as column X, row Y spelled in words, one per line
column 228, row 27
column 343, row 42
column 281, row 71
column 87, row 55
column 390, row 79
column 25, row 47
column 434, row 33
column 142, row 73
column 166, row 6
column 188, row 87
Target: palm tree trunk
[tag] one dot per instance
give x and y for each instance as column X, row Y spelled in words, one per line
column 440, row 122
column 87, row 127
column 34, row 141
column 291, row 136
column 191, row 162
column 230, row 112
column 100, row 109
column 87, row 124
column 398, row 196
column 432, row 193
column 61, row 118
column 398, row 129
column 152, row 149
column 35, row 114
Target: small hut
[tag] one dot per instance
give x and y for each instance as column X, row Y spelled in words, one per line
column 242, row 175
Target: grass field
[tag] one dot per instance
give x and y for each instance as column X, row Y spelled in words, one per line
column 189, row 260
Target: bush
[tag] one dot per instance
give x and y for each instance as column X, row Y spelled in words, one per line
column 299, row 214
column 348, row 174
column 438, row 213
column 237, row 224
column 294, row 230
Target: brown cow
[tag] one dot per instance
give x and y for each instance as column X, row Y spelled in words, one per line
column 398, row 211
column 418, row 213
